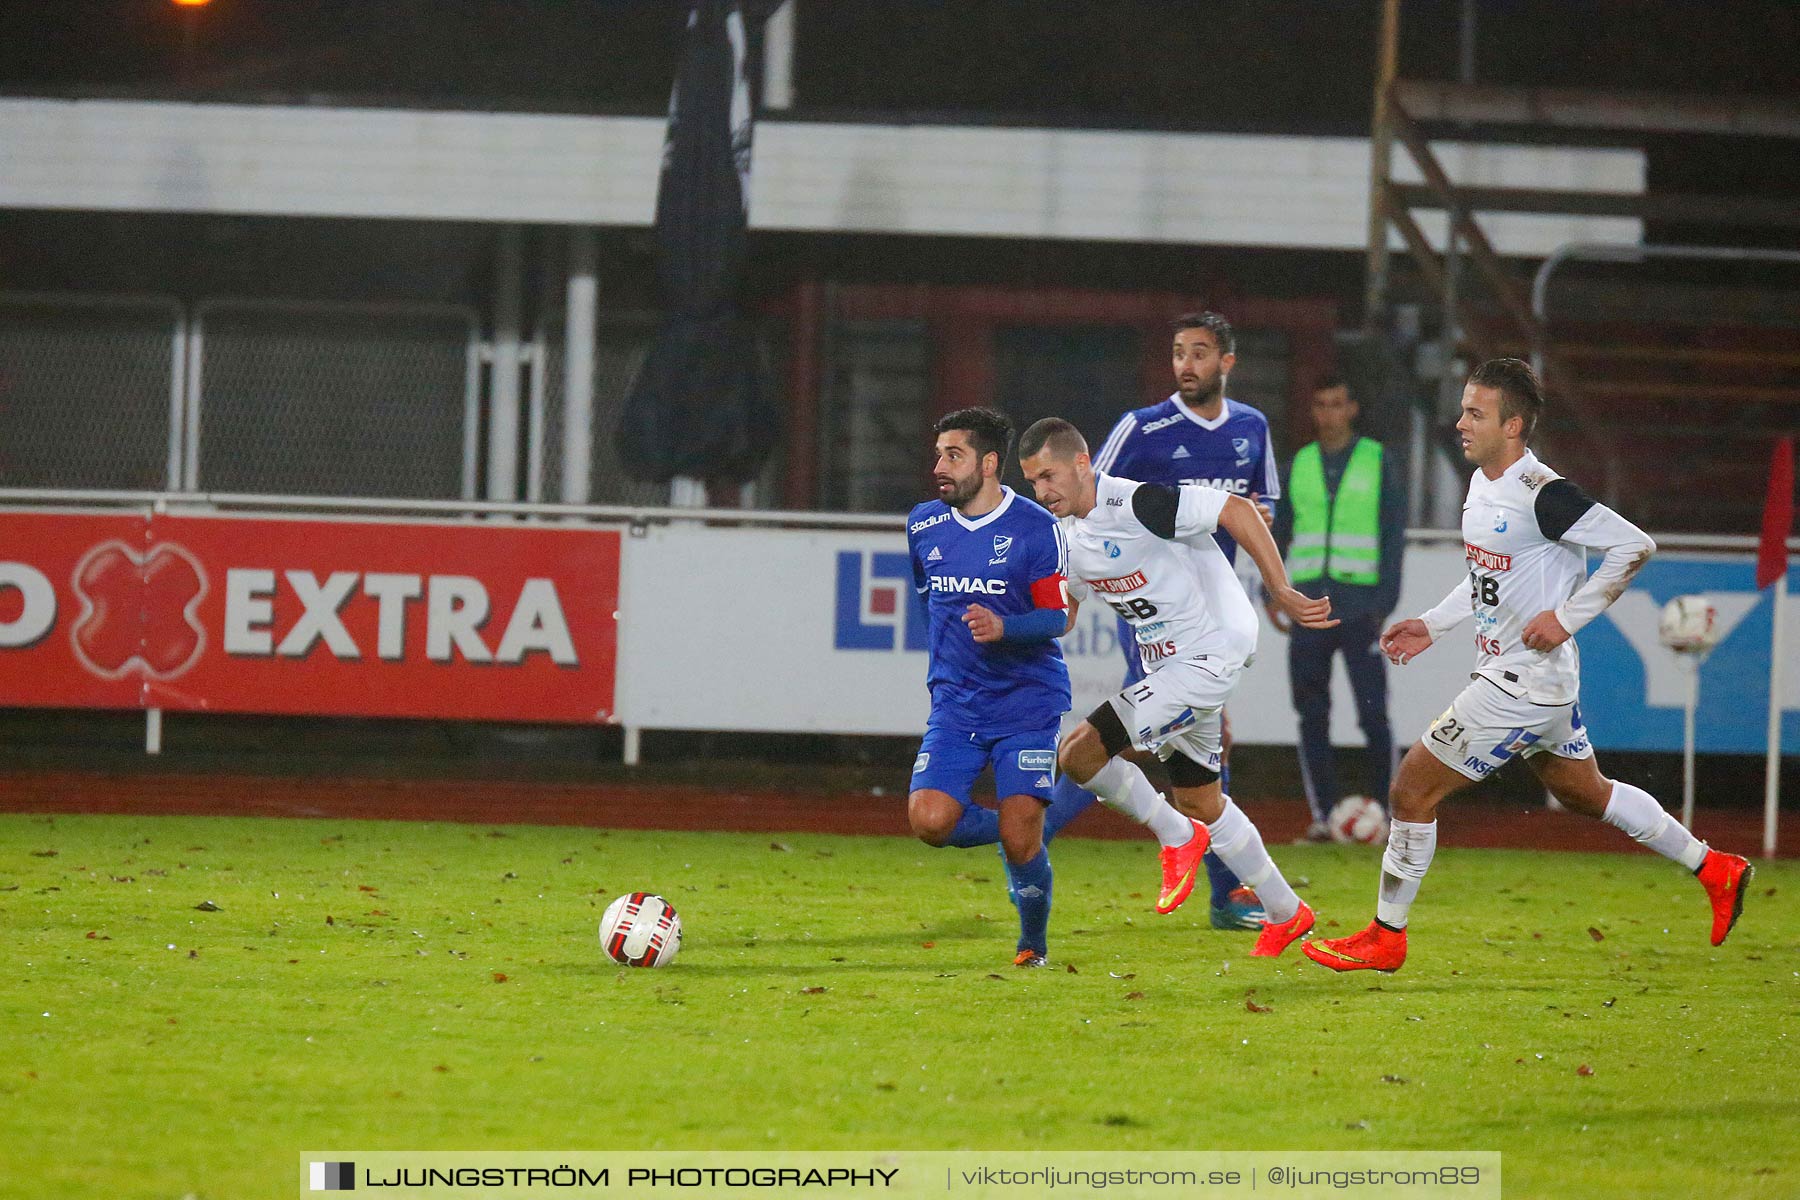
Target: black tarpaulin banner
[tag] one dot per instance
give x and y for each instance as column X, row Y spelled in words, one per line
column 696, row 407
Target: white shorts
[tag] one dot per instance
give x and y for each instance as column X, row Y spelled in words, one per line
column 1178, row 706
column 1484, row 728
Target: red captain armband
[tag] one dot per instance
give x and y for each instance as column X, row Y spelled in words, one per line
column 1049, row 592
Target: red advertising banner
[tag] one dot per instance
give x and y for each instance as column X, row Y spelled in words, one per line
column 498, row 621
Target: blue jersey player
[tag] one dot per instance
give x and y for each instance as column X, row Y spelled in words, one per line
column 1197, row 435
column 989, row 564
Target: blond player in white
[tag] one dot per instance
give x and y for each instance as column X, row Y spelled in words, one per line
column 1147, row 550
column 1525, row 533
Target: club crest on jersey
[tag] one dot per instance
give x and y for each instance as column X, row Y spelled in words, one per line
column 1112, row 550
column 1499, row 521
column 1001, row 546
column 1242, row 446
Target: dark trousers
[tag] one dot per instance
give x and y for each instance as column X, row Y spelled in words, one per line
column 1309, row 673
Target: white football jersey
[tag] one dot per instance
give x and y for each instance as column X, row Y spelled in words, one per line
column 1179, row 593
column 1524, row 536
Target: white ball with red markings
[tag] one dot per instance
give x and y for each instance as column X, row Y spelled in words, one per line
column 640, row 930
column 1358, row 819
column 1689, row 624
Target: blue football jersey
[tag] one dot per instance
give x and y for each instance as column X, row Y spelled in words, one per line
column 1011, row 561
column 1170, row 443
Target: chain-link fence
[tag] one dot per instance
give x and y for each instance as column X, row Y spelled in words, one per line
column 621, row 341
column 875, row 414
column 332, row 399
column 87, row 388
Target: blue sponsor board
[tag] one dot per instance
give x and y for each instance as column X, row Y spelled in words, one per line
column 1633, row 689
column 875, row 597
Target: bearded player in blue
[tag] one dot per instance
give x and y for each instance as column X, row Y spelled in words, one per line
column 1197, row 435
column 989, row 564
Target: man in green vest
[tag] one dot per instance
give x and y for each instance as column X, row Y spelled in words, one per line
column 1342, row 528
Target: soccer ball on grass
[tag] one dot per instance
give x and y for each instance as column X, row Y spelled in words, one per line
column 640, row 930
column 1358, row 819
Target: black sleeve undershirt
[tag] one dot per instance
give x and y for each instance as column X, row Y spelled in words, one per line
column 1155, row 505
column 1560, row 503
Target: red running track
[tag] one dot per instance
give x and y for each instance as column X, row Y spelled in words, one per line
column 671, row 806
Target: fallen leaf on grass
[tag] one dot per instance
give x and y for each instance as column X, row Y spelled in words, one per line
column 1134, row 995
column 1584, row 1070
column 1070, row 968
column 207, row 906
column 44, row 853
column 928, row 945
column 499, row 976
column 1252, row 1006
column 1393, row 1079
column 781, row 846
column 1596, row 934
column 811, row 991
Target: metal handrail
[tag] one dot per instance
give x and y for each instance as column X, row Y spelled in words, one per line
column 610, row 513
column 637, row 515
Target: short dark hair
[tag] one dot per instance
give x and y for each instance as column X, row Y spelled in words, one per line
column 990, row 431
column 1332, row 380
column 1214, row 323
column 1062, row 439
column 1521, row 395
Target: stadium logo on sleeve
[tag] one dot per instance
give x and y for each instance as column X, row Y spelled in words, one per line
column 876, row 608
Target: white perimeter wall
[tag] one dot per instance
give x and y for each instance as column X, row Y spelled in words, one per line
column 1217, row 189
column 752, row 630
column 729, row 629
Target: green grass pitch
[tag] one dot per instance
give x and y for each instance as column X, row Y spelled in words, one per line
column 384, row 985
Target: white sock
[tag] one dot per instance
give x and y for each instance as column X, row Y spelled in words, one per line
column 1240, row 847
column 1636, row 812
column 1403, row 865
column 1123, row 787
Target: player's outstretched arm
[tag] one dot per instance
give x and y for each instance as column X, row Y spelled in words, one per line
column 1244, row 523
column 1405, row 641
column 1412, row 638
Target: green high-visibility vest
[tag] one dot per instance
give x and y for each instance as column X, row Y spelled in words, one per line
column 1336, row 535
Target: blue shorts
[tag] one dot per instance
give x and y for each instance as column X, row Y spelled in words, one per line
column 1024, row 763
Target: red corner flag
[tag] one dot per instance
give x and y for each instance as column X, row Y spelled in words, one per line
column 1778, row 515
